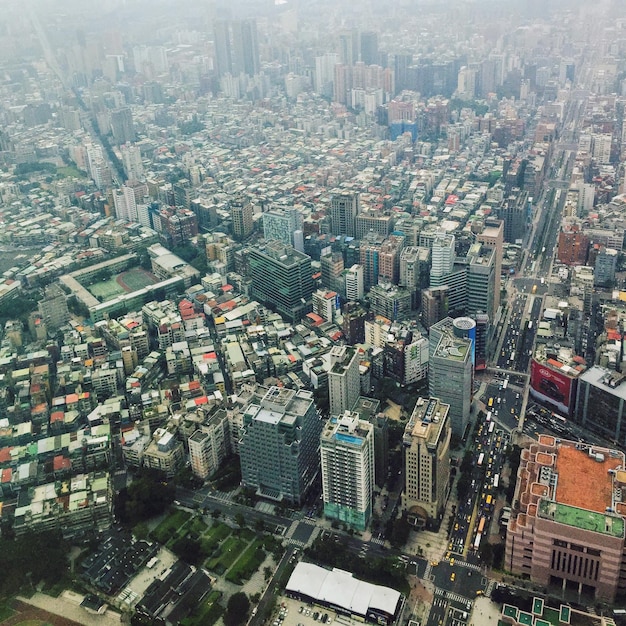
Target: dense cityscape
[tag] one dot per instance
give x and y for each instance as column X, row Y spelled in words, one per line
column 313, row 313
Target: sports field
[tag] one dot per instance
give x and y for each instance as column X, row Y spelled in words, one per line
column 130, row 280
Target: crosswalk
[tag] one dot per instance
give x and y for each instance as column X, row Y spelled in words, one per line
column 428, row 571
column 380, row 542
column 451, row 596
column 490, row 586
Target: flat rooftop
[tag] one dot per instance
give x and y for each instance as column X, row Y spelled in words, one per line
column 585, row 482
column 602, row 523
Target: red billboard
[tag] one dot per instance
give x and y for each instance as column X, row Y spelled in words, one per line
column 550, row 385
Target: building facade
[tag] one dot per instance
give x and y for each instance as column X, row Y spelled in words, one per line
column 343, row 379
column 347, row 461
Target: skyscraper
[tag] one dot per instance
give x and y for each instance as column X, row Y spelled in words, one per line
column 347, row 460
column 281, row 279
column 236, row 47
column 279, row 445
column 442, row 258
column 426, row 443
column 122, row 126
column 344, row 207
column 344, row 384
column 281, row 224
column 369, row 48
column 450, row 373
column 481, row 280
column 492, row 236
column 353, row 277
column 241, row 212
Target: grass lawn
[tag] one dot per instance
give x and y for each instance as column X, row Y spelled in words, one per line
column 248, row 563
column 228, row 553
column 170, row 526
column 212, row 538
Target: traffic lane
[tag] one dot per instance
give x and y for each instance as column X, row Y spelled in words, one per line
column 457, row 578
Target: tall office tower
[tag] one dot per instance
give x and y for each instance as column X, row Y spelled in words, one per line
column 236, row 47
column 122, row 126
column 241, row 213
column 325, row 73
column 281, row 224
column 344, row 383
column 567, row 527
column 481, row 280
column 402, row 63
column 279, row 445
column 125, row 204
column 281, row 279
column 369, row 257
column 492, row 236
column 246, row 45
column 349, row 47
column 442, row 258
column 347, row 460
column 332, row 268
column 389, row 259
column 434, row 305
column 426, row 443
column 131, row 161
column 210, row 444
column 53, row 308
column 369, row 48
column 353, row 278
column 344, row 207
column 450, row 373
column 514, row 212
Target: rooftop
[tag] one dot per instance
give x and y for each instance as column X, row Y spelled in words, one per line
column 603, row 523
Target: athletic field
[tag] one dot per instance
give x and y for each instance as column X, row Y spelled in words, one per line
column 131, row 280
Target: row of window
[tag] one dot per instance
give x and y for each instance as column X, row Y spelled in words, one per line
column 582, row 567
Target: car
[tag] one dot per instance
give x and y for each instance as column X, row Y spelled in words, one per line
column 452, row 576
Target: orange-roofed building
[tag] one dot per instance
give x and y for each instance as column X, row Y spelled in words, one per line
column 567, row 527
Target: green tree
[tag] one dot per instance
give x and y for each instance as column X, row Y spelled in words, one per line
column 237, row 609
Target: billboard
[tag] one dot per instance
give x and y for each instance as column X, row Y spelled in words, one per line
column 549, row 385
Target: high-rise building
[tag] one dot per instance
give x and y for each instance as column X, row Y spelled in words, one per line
column 131, row 161
column 209, row 445
column 604, row 267
column 281, row 224
column 492, row 236
column 369, row 258
column 390, row 301
column 426, row 444
column 332, row 266
column 53, row 308
column 353, row 278
column 347, row 460
column 242, row 212
column 372, row 221
column 279, row 445
column 325, row 73
column 281, row 279
column 566, row 529
column 125, row 204
column 122, row 126
column 481, row 280
column 389, row 259
column 450, row 373
column 344, row 383
column 434, row 305
column 344, row 207
column 442, row 258
column 236, row 47
column 369, row 48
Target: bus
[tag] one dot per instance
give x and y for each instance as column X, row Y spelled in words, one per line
column 530, row 324
column 481, row 525
column 559, row 418
column 477, row 541
column 488, row 418
column 505, row 382
column 490, row 403
column 481, row 458
column 496, row 480
column 491, row 427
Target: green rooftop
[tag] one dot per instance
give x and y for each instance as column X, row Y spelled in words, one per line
column 525, row 618
column 602, row 523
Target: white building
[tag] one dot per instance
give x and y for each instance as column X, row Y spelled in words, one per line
column 347, row 458
column 343, row 379
column 354, row 285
